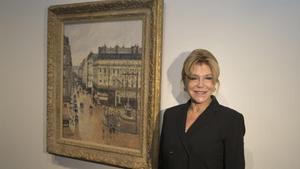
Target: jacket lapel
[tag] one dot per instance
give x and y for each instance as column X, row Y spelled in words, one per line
column 200, row 122
column 180, row 123
column 204, row 117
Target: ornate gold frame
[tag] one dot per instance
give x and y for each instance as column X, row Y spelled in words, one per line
column 151, row 12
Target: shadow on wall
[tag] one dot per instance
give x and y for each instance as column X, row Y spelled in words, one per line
column 174, row 78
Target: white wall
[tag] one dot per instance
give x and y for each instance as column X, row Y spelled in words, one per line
column 256, row 42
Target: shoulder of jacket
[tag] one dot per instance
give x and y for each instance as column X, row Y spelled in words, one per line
column 174, row 110
column 227, row 112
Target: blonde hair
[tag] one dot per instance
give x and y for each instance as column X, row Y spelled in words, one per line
column 200, row 56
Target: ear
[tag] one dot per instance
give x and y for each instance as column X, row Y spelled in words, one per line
column 216, row 88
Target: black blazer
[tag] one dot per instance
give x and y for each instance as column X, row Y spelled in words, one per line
column 214, row 141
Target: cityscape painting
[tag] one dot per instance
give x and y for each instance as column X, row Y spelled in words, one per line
column 102, row 68
column 103, row 81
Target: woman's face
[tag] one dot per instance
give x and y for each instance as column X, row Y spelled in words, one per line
column 200, row 85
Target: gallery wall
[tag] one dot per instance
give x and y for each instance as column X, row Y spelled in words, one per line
column 256, row 43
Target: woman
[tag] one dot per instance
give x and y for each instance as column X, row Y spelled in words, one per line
column 201, row 134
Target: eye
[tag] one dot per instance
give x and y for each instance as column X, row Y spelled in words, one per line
column 192, row 78
column 209, row 78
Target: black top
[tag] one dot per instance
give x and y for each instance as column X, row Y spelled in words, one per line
column 214, row 141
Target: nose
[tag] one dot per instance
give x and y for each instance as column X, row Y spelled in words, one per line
column 200, row 82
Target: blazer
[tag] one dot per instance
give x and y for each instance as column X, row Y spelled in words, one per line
column 214, row 141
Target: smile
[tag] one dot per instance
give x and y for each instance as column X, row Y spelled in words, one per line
column 200, row 92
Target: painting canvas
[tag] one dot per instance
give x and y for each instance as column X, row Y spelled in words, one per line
column 103, row 81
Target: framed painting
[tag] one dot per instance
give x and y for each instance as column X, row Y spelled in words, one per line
column 103, row 81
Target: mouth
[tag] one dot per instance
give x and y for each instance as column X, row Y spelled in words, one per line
column 200, row 92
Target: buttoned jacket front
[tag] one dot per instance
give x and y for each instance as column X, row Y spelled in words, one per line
column 214, row 141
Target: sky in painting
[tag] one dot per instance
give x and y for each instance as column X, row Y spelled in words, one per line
column 87, row 37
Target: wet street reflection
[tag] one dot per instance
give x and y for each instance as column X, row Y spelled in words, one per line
column 90, row 122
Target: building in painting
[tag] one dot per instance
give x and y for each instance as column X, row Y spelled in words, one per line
column 113, row 77
column 117, row 75
column 85, row 72
column 67, row 71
